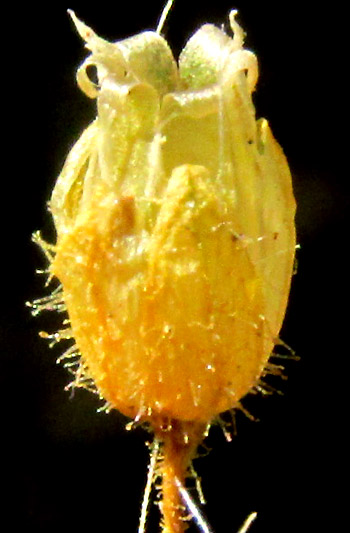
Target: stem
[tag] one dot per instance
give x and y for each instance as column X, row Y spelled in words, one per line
column 192, row 507
column 248, row 522
column 179, row 444
column 148, row 488
column 164, row 16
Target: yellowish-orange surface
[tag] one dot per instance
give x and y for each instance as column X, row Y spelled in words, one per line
column 175, row 236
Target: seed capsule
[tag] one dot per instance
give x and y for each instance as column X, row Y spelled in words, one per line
column 175, row 234
column 174, row 215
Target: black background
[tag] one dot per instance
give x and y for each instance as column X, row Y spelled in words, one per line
column 64, row 467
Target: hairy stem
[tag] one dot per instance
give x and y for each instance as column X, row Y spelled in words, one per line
column 179, row 444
